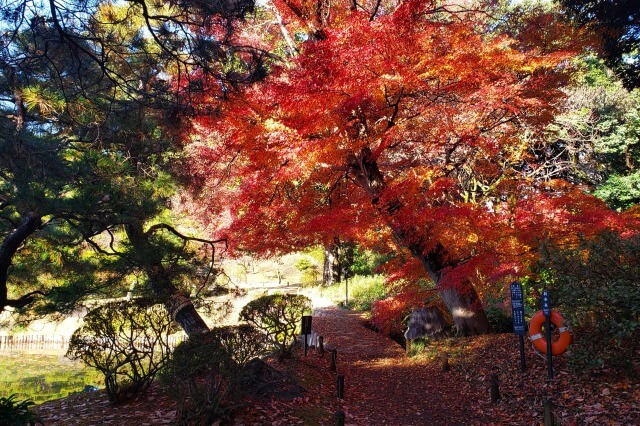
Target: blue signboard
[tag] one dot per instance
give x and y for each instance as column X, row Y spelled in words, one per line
column 517, row 309
column 546, row 303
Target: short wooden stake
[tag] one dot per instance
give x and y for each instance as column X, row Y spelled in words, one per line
column 445, row 362
column 495, row 388
column 548, row 413
column 340, row 384
column 334, row 360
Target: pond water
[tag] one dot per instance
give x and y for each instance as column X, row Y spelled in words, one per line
column 43, row 375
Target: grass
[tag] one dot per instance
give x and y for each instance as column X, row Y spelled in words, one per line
column 363, row 291
column 43, row 377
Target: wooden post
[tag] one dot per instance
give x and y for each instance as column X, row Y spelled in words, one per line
column 321, row 345
column 340, row 384
column 548, row 413
column 495, row 388
column 334, row 360
column 445, row 362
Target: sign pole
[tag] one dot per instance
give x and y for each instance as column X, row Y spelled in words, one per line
column 517, row 315
column 345, row 272
column 546, row 310
column 306, row 330
column 523, row 365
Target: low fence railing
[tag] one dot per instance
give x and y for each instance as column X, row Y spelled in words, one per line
column 42, row 342
column 33, row 342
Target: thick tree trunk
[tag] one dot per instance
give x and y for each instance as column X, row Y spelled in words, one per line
column 8, row 249
column 462, row 300
column 464, row 305
column 177, row 303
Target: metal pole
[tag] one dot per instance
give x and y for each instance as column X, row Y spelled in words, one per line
column 546, row 310
column 523, row 365
column 547, row 325
column 346, row 290
column 305, row 345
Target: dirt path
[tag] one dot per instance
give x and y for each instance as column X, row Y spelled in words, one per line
column 382, row 386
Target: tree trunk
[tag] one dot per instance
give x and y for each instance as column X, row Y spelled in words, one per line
column 177, row 303
column 464, row 304
column 331, row 268
column 8, row 249
column 462, row 300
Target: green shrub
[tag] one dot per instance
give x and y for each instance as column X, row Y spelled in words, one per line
column 595, row 286
column 128, row 342
column 366, row 262
column 499, row 322
column 279, row 316
column 206, row 374
column 17, row 413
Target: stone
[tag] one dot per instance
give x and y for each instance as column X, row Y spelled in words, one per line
column 426, row 321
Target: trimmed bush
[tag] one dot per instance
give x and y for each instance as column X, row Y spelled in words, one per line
column 207, row 374
column 279, row 316
column 128, row 342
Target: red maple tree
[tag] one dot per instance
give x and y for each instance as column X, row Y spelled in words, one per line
column 414, row 131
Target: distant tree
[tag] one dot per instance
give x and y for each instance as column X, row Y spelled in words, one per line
column 618, row 23
column 595, row 139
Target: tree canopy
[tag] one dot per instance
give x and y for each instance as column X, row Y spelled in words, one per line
column 416, row 130
column 93, row 97
column 444, row 132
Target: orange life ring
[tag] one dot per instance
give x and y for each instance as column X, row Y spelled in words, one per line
column 535, row 333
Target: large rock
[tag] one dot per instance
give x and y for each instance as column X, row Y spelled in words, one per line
column 427, row 321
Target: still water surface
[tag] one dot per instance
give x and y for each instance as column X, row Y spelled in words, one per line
column 43, row 375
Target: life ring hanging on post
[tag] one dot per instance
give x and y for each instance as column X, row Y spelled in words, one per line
column 537, row 337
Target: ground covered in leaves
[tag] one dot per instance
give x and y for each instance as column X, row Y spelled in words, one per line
column 382, row 386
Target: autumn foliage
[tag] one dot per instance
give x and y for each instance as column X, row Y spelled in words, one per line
column 415, row 131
